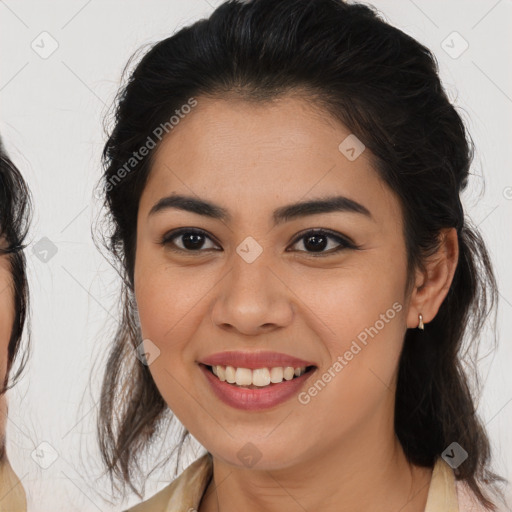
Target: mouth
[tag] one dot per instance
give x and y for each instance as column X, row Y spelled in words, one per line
column 257, row 378
column 255, row 381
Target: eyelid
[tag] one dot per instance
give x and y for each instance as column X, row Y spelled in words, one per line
column 343, row 239
column 175, row 233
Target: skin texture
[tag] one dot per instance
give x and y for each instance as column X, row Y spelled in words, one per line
column 340, row 448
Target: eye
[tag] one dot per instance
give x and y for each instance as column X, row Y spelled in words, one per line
column 192, row 239
column 317, row 240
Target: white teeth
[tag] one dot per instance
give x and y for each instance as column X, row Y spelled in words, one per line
column 288, row 373
column 243, row 377
column 221, row 372
column 260, row 377
column 230, row 375
column 276, row 375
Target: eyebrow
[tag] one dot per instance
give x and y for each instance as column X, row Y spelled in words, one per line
column 280, row 215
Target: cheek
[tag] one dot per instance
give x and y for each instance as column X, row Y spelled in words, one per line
column 170, row 312
column 354, row 300
column 362, row 321
column 171, row 302
column 167, row 299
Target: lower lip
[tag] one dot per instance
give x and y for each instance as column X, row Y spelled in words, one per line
column 255, row 399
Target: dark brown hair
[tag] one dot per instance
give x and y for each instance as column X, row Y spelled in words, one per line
column 384, row 86
column 15, row 212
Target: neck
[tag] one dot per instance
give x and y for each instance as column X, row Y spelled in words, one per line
column 12, row 494
column 366, row 471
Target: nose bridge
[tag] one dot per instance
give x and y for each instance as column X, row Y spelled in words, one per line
column 251, row 270
column 250, row 285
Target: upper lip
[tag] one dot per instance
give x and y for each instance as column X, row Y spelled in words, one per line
column 253, row 360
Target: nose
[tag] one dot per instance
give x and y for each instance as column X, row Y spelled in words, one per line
column 253, row 299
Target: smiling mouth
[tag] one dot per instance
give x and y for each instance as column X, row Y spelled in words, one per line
column 259, row 378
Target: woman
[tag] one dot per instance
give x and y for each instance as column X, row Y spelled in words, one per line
column 14, row 213
column 283, row 184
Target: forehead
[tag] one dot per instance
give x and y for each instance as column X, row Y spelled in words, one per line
column 250, row 153
column 252, row 130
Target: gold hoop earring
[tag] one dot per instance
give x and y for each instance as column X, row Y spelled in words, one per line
column 421, row 325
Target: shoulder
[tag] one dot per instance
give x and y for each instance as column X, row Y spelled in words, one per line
column 468, row 502
column 182, row 493
column 447, row 494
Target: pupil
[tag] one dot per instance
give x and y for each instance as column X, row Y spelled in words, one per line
column 312, row 245
column 190, row 241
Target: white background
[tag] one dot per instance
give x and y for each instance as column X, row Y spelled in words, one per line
column 51, row 121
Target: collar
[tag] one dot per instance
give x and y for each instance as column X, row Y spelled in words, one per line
column 442, row 493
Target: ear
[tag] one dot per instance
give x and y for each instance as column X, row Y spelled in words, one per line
column 433, row 282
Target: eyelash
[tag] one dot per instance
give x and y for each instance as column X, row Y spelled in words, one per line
column 344, row 242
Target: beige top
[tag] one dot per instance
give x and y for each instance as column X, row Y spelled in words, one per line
column 186, row 491
column 12, row 494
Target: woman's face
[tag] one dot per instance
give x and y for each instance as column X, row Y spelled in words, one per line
column 252, row 285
